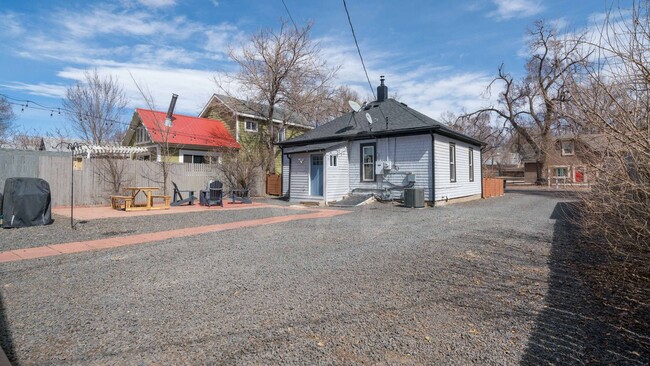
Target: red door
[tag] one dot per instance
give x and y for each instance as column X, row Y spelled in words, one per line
column 580, row 175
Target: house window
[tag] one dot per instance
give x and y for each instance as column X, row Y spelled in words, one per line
column 282, row 134
column 332, row 160
column 251, row 126
column 561, row 172
column 196, row 159
column 368, row 162
column 452, row 162
column 141, row 134
column 471, row 164
column 567, row 148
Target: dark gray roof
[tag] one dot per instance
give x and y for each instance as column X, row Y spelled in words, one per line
column 389, row 117
column 260, row 110
column 309, row 148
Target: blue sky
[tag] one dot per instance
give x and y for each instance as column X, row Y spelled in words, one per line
column 437, row 56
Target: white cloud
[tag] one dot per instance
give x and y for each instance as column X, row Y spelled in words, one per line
column 157, row 3
column 194, row 87
column 508, row 9
column 9, row 24
column 41, row 89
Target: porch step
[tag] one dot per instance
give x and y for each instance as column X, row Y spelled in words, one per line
column 352, row 201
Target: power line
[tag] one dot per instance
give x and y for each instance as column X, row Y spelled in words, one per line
column 290, row 17
column 358, row 49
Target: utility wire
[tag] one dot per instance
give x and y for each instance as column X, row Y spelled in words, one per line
column 290, row 17
column 358, row 49
column 52, row 110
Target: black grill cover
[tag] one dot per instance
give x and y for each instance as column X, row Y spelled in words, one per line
column 26, row 202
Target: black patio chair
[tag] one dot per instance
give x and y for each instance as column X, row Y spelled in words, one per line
column 178, row 196
column 215, row 194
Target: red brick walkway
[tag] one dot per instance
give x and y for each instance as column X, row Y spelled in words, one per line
column 84, row 246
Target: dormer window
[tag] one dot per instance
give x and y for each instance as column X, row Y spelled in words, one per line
column 567, row 148
column 251, row 126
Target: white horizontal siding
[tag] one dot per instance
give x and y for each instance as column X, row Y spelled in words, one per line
column 462, row 187
column 337, row 183
column 405, row 154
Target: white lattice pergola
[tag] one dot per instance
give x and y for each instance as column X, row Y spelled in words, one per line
column 90, row 150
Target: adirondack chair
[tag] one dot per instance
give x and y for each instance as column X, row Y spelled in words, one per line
column 215, row 194
column 178, row 196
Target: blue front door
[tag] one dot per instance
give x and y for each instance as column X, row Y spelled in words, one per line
column 316, row 175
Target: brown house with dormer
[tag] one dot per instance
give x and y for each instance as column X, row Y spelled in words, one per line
column 568, row 160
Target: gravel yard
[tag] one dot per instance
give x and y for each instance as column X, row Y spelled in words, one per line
column 463, row 284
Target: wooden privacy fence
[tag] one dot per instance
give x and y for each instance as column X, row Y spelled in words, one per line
column 92, row 182
column 274, row 184
column 492, row 187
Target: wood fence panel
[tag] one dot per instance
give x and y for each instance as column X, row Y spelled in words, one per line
column 274, row 184
column 492, row 187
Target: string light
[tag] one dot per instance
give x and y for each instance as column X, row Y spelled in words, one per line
column 87, row 116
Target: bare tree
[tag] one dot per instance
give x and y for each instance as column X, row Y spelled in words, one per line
column 480, row 127
column 6, row 117
column 93, row 107
column 612, row 98
column 281, row 68
column 533, row 106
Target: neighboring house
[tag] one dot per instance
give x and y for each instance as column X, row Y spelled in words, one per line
column 568, row 160
column 246, row 119
column 400, row 148
column 190, row 139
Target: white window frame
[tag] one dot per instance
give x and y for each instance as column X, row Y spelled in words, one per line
column 182, row 153
column 333, row 160
column 572, row 148
column 566, row 170
column 253, row 123
column 452, row 162
column 471, row 164
column 372, row 165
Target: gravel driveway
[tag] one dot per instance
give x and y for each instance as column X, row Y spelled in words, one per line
column 461, row 284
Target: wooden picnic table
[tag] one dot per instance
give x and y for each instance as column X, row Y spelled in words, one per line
column 129, row 199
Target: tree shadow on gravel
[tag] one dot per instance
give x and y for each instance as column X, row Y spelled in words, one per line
column 579, row 324
column 5, row 336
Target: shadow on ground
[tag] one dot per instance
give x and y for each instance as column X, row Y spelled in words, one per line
column 580, row 324
column 5, row 335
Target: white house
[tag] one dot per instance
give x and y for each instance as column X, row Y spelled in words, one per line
column 382, row 148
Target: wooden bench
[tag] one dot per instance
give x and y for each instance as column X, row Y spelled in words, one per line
column 166, row 198
column 116, row 202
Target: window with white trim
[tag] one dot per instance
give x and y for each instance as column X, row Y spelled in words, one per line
column 452, row 162
column 251, row 126
column 368, row 162
column 561, row 172
column 471, row 164
column 333, row 160
column 141, row 135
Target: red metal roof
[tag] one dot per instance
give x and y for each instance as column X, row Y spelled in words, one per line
column 186, row 130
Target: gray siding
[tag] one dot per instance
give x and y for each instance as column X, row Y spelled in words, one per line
column 337, row 178
column 299, row 176
column 405, row 154
column 462, row 187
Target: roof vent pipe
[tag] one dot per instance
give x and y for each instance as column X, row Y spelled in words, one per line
column 170, row 111
column 382, row 90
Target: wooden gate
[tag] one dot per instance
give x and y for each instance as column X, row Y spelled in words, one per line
column 274, row 184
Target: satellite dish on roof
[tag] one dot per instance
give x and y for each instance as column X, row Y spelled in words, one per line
column 354, row 105
column 369, row 118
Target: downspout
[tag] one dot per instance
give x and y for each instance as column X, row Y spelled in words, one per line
column 289, row 188
column 481, row 154
column 433, row 169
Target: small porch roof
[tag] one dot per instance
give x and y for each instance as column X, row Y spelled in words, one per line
column 311, row 148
